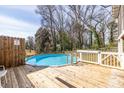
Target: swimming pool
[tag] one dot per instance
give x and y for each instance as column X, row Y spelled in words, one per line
column 50, row 60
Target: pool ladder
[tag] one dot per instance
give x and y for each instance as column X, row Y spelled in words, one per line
column 72, row 55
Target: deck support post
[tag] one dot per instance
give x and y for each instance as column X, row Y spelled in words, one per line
column 120, row 46
column 122, row 60
column 120, row 52
column 80, row 56
column 99, row 57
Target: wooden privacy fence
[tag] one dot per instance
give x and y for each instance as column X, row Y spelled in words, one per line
column 110, row 59
column 12, row 51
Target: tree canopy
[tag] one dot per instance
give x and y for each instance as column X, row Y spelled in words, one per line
column 75, row 27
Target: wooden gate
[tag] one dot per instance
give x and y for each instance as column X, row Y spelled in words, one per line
column 110, row 59
column 12, row 51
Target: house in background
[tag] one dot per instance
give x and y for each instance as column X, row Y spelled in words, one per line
column 118, row 15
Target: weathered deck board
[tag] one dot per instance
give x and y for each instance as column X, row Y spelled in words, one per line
column 13, row 79
column 81, row 75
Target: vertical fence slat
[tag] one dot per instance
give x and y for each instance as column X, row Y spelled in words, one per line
column 1, row 51
column 114, row 61
column 2, row 54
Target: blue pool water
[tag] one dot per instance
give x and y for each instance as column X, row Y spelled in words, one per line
column 50, row 60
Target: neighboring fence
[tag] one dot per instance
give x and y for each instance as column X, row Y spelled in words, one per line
column 30, row 52
column 110, row 59
column 12, row 51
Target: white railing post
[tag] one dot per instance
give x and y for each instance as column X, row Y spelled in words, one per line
column 80, row 56
column 121, row 60
column 120, row 52
column 99, row 57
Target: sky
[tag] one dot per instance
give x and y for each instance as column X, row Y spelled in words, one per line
column 18, row 21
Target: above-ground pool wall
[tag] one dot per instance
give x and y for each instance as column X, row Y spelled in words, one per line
column 12, row 51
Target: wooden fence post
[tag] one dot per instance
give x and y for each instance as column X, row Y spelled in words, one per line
column 99, row 57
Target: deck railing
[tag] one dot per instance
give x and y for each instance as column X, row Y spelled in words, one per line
column 110, row 59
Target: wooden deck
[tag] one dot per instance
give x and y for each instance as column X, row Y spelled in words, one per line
column 82, row 75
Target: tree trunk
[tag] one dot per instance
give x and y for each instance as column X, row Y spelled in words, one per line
column 91, row 39
column 97, row 39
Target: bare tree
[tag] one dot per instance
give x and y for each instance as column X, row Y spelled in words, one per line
column 47, row 13
column 30, row 43
column 43, row 40
column 76, row 26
